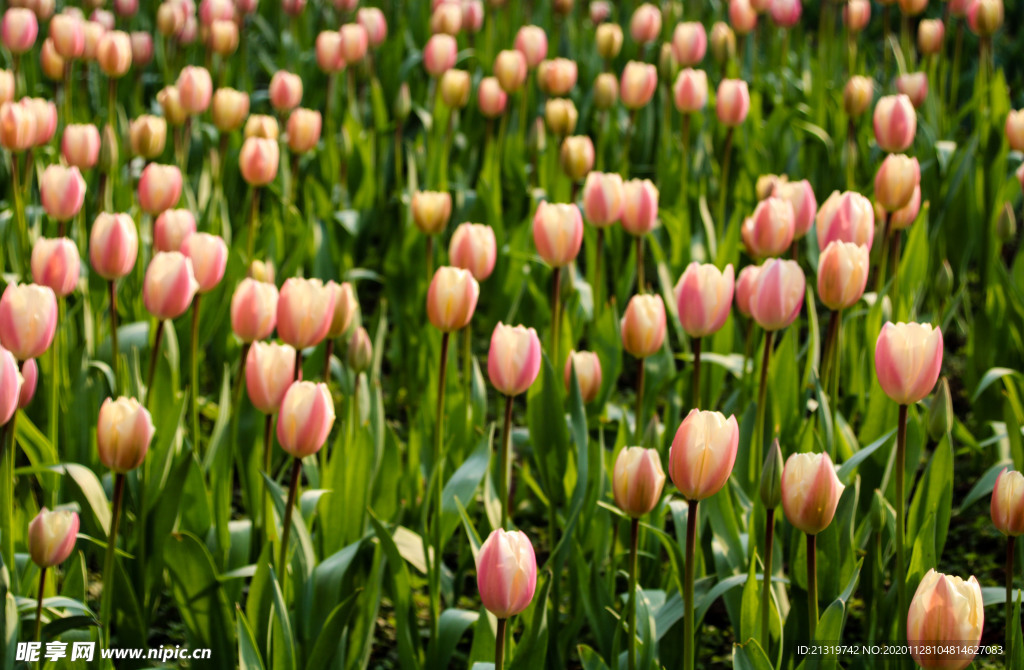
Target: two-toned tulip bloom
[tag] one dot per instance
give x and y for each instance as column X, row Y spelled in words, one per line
column 513, row 360
column 506, row 572
column 123, row 434
column 778, row 294
column 474, row 248
column 643, row 325
column 56, row 264
column 845, row 217
column 945, row 621
column 895, row 123
column 269, row 372
column 703, row 453
column 10, row 385
column 842, row 274
column 908, row 358
column 1007, row 507
column 305, row 309
column 703, row 298
column 28, row 319
column 770, row 230
column 637, row 480
column 451, row 298
column 810, row 491
column 305, row 419
column 557, row 233
column 588, row 373
column 254, row 310
column 113, row 245
column 169, row 285
column 51, row 536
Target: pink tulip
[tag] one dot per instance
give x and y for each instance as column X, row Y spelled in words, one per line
column 513, row 360
column 805, row 205
column 258, row 160
column 159, row 188
column 45, row 113
column 19, row 29
column 704, row 297
column 51, row 536
column 29, row 380
column 104, row 18
column 440, row 53
column 510, row 70
column 169, row 285
column 346, row 306
column 638, row 83
column 431, row 211
column 856, row 14
column 62, row 191
column 914, row 85
column 68, row 34
column 810, row 491
column 842, row 274
column 269, row 372
column 10, row 386
column 80, row 145
column 209, row 256
column 645, row 24
column 28, row 319
column 689, row 43
column 532, row 42
column 1015, row 129
column 329, row 54
column 304, row 312
column 896, row 180
column 451, row 299
column 945, row 621
column 905, row 216
column 895, row 123
column 785, row 13
column 931, row 34
column 293, row 7
column 557, row 233
column 846, row 217
column 17, row 126
column 114, row 53
column 778, row 294
column 474, row 248
column 742, row 16
column 639, row 206
column 123, row 434
column 373, row 22
column 690, row 91
column 985, row 17
column 304, row 127
column 558, row 76
column 769, row 231
column 195, row 88
column 491, row 98
column 732, row 103
column 446, row 19
column 142, row 48
column 472, row 15
column 602, row 198
column 588, row 373
column 254, row 310
column 285, row 91
column 745, row 284
column 643, row 325
column 1007, row 505
column 216, row 10
column 355, row 41
column 506, row 573
column 306, row 418
column 637, row 480
column 113, row 245
column 56, row 264
column 908, row 357
column 703, row 453
column 172, row 228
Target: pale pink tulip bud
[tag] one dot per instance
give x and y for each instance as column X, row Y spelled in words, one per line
column 491, row 98
column 170, row 18
column 703, row 453
column 532, row 42
column 258, row 160
column 303, row 130
column 786, row 13
column 985, row 17
column 269, row 372
column 602, row 198
column 732, row 103
column 703, row 298
column 80, row 145
column 600, row 10
column 506, row 573
column 305, row 310
column 1015, row 129
column 169, row 285
column 43, row 9
column 577, row 156
column 261, row 126
column 643, row 325
column 690, row 91
column 354, row 42
column 745, row 285
column 1008, row 503
column 189, row 33
column 306, row 418
column 912, row 7
column 293, row 7
column 94, row 32
column 123, row 433
column 810, row 491
column 223, row 37
column 513, row 360
column 10, row 386
column 329, row 55
column 216, row 10
column 637, row 480
column 346, row 306
column 51, row 536
column 159, row 188
column 431, row 211
column 557, row 233
column 451, row 299
column 446, row 19
column 557, row 77
column 61, row 191
column 474, row 248
column 842, row 274
column 805, row 205
column 30, row 379
column 68, row 34
column 588, row 374
column 6, row 86
column 895, row 123
column 689, row 43
column 742, row 16
column 639, row 206
column 28, row 319
column 914, row 85
column 905, row 216
column 359, row 356
column 19, row 29
column 455, row 86
column 856, row 14
column 769, row 231
column 148, row 136
column 56, row 264
column 510, row 69
column 639, row 81
column 930, row 35
column 440, row 53
column 778, row 294
column 114, row 53
column 945, row 621
column 896, row 180
column 846, row 217
column 285, row 91
column 17, row 126
column 104, row 18
column 373, row 22
column 126, row 8
column 254, row 310
column 45, row 113
column 908, row 357
column 645, row 24
column 209, row 256
column 113, row 245
column 50, row 62
column 561, row 116
column 472, row 15
column 609, row 40
column 606, row 90
column 228, row 109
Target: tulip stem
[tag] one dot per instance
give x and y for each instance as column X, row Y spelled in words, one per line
column 689, row 643
column 67, row 91
column 506, row 463
column 153, row 354
column 696, row 372
column 254, row 210
column 438, row 494
column 761, row 393
column 194, row 392
column 1008, row 606
column 634, row 544
column 723, row 187
column 900, row 576
column 836, row 369
column 640, row 265
column 766, row 583
column 240, row 381
column 328, row 352
column 39, row 604
column 851, row 159
column 894, row 260
column 24, row 248
column 430, row 258
column 7, row 479
column 556, row 312
column 499, row 645
column 883, row 260
column 684, row 168
column 292, row 490
column 598, row 292
column 298, row 365
column 639, row 411
column 268, row 464
column 114, row 350
column 467, row 364
column 812, row 586
column 107, row 599
column 954, row 76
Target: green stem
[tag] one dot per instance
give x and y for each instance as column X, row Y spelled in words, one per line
column 438, row 478
column 328, row 352
column 723, row 187
column 113, row 333
column 837, row 357
column 689, row 642
column 499, row 645
column 467, row 364
column 268, row 464
column 812, row 586
column 430, row 258
column 954, row 76
column 107, row 600
column 639, row 411
column 153, row 355
column 39, row 604
column 1010, row 542
column 7, row 513
column 634, row 535
column 556, row 313
column 292, row 490
column 254, row 210
column 68, row 64
column 756, row 459
column 598, row 292
column 883, row 260
column 696, row 372
column 112, row 122
column 505, row 460
column 55, row 378
column 766, row 583
column 894, row 261
column 640, row 265
column 24, row 247
column 684, row 166
column 900, row 575
column 194, row 391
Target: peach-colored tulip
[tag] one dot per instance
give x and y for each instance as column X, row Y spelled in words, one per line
column 159, row 188
column 559, row 76
column 846, row 217
column 474, row 248
column 209, row 256
column 765, row 185
column 905, row 216
column 254, row 310
column 126, row 8
column 19, row 29
column 857, row 95
column 1007, row 505
column 306, row 418
column 6, row 86
column 431, row 211
column 472, row 15
column 532, row 42
column 148, row 136
column 602, row 198
column 169, row 285
column 645, row 24
column 856, row 14
column 690, row 91
column 104, row 18
column 440, row 53
column 895, row 123
column 506, row 572
column 28, row 319
column 51, row 62
column 637, row 480
column 56, row 264
column 451, row 298
column 742, row 16
column 577, row 156
column 17, row 126
column 304, row 312
column 638, row 83
column 778, row 294
column 639, row 214
column 491, row 98
column 930, row 36
column 170, row 18
column 216, row 10
column 1015, row 129
column 732, row 103
column 269, row 372
column 80, row 145
column 945, row 621
column 985, row 16
column 61, row 191
column 51, row 536
column 703, row 453
column 908, row 357
column 606, row 90
column 45, row 113
column 29, row 380
column 769, row 231
column 588, row 373
column 10, row 385
column 359, row 355
column 114, row 53
column 285, row 91
column 228, row 109
column 557, row 233
column 68, row 34
column 195, row 88
column 785, row 13
column 912, row 7
column 600, row 10
column 561, row 116
column 446, row 19
column 842, row 274
column 703, row 298
column 258, row 160
column 124, row 431
column 142, row 48
column 346, row 306
column 354, row 42
column 454, row 88
column 304, row 130
column 113, row 245
column 172, row 228
column 745, row 284
column 895, row 181
column 810, row 491
column 689, row 43
column 94, row 32
column 373, row 22
column 261, row 126
column 609, row 40
column 170, row 102
column 643, row 325
column 510, row 70
column 513, row 360
column 805, row 205
column 329, row 55
column 914, row 85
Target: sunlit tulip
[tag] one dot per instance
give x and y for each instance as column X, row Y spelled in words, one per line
column 269, row 372
column 638, row 83
column 373, row 22
column 169, row 285
column 745, row 283
column 45, row 113
column 10, row 385
column 304, row 127
column 1015, row 129
column 914, row 85
column 446, row 19
column 557, row 232
column 28, row 319
column 170, row 102
column 856, row 14
column 689, row 43
column 473, row 247
column 643, row 325
column 51, row 62
column 945, row 621
column 61, row 191
column 645, row 24
column 305, row 419
column 703, row 453
column 510, row 69
column 455, row 86
column 637, row 480
column 532, row 42
column 68, row 35
column 896, row 180
column 985, row 17
column 172, row 228
column 305, row 310
column 769, row 231
column 329, row 55
column 842, row 274
column 905, row 216
column 19, row 29
column 80, row 145
column 703, row 298
column 561, row 116
column 17, row 126
column 228, row 109
column 491, row 98
column 440, row 53
column 148, row 136
column 690, row 92
column 285, row 91
column 195, row 88
column 732, row 102
column 94, row 32
column 142, row 47
column 609, row 40
column 785, row 13
column 810, row 491
column 742, row 16
column 559, row 76
column 908, row 357
column 1007, row 505
column 930, row 36
column 359, row 355
column 123, row 433
column 354, row 42
column 577, row 156
column 51, row 536
column 56, row 264
column 895, row 123
column 805, row 206
column 159, row 188
column 114, row 53
column 639, row 206
column 258, row 160
column 451, row 298
column 588, row 373
column 254, row 310
column 857, row 95
column 845, row 217
column 113, row 245
column 209, row 256
column 513, row 359
column 506, row 573
column 602, row 198
column 262, row 126
column 778, row 294
column 216, row 10
column 346, row 306
column 431, row 211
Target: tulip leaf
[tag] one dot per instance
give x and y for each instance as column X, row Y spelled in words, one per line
column 401, row 593
column 248, row 654
column 750, row 656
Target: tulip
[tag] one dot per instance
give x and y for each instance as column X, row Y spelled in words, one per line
column 446, row 19
column 170, row 102
column 373, row 22
column 557, row 233
column 258, row 161
column 123, row 434
column 113, row 245
column 51, row 537
column 908, row 357
column 142, row 47
column 491, row 98
column 690, row 91
column 703, row 297
column 514, row 359
column 912, row 7
column 742, row 16
column 745, row 284
column 360, row 351
column 609, row 40
column 588, row 374
column 17, row 126
column 637, row 480
column 769, row 232
column 896, row 180
column 195, row 88
column 643, row 325
column 559, row 77
column 857, row 95
column 856, row 14
column 1008, row 503
column 216, row 10
column 560, row 115
column 510, row 69
column 905, row 216
column 209, row 256
column 945, row 621
column 914, row 86
column 931, row 34
column 810, row 491
column 474, row 248
column 600, row 10
column 645, row 24
column 228, row 109
column 269, row 372
column 603, row 198
column 80, row 145
column 29, row 380
column 61, row 191
column 94, row 32
column 28, row 319
column 354, row 42
column 985, row 17
column 261, row 126
column 306, row 418
column 805, row 205
column 451, row 299
column 148, row 136
column 440, row 53
column 1015, row 129
column 895, row 123
column 639, row 206
column 303, row 130
column 842, row 274
column 732, row 102
column 639, row 81
column 329, row 55
column 293, row 8
column 455, row 85
column 304, row 312
column 577, row 156
column 6, row 86
column 431, row 211
column 45, row 113
column 254, row 310
column 169, row 285
column 170, row 18
column 778, row 294
column 689, row 43
column 285, row 91
column 846, row 217
column 159, row 188
column 473, row 14
column 703, row 453
column 114, row 53
column 50, row 62
column 19, row 29
column 766, row 183
column 68, row 34
column 506, row 573
column 785, row 13
column 104, row 18
column 56, row 264
column 10, row 386
column 532, row 42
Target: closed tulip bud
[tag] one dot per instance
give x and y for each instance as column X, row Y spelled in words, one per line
column 560, row 115
column 958, row 8
column 732, row 102
column 945, row 621
column 6, row 86
column 857, row 95
column 329, row 55
column 723, row 42
column 771, row 477
column 645, row 24
column 170, row 102
column 609, row 40
column 473, row 14
column 769, row 231
column 359, row 356
column 431, row 211
column 228, row 109
column 209, row 256
column 189, row 33
column 930, row 36
column 842, row 274
column 690, row 91
column 261, row 126
column 588, row 374
column 908, row 357
column 805, row 206
column 354, row 42
column 159, row 188
column 304, row 130
column 846, row 217
column 689, row 43
column 559, row 76
column 56, row 264
column 222, row 37
column 856, row 14
column 123, row 433
column 667, row 66
column 1015, row 129
column 703, row 297
column 285, row 91
column 510, row 69
column 600, row 10
column 19, row 29
column 1008, row 502
column 639, row 81
column 778, row 294
column 602, row 198
column 94, row 32
column 742, row 16
column 639, row 206
column 643, row 325
column 170, row 18
column 254, row 310
column 896, row 180
column 306, row 418
column 346, row 306
column 258, row 160
column 28, row 319
column 51, row 537
column 506, row 573
column 703, row 453
column 51, row 62
column 491, row 98
column 169, row 285
column 532, row 42
column 765, row 185
column 455, row 86
column 474, row 248
column 376, row 26
column 68, row 34
column 61, row 191
column 895, row 123
column 17, row 126
column 577, row 156
column 451, row 299
column 293, row 7
column 637, row 480
column 440, row 53
column 446, row 19
column 402, row 106
column 905, row 216
column 142, row 48
column 305, row 311
column 513, row 360
column 114, row 53
column 557, row 233
column 940, row 413
column 10, row 386
column 269, row 372
column 606, row 90
column 745, row 284
column 913, row 85
column 810, row 491
column 45, row 113
column 80, row 145
column 985, row 17
column 216, row 10
column 113, row 245
column 104, row 18
column 785, row 13
column 148, row 136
